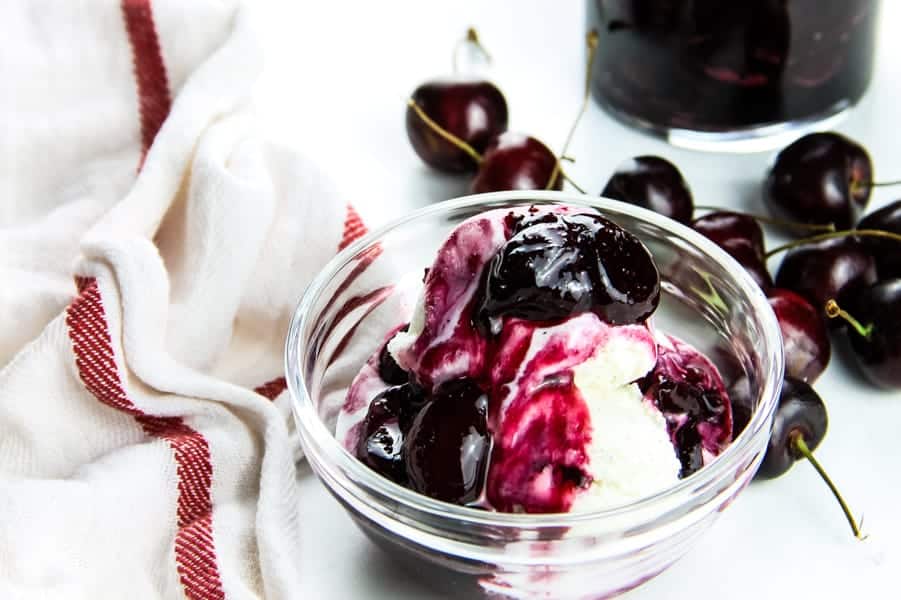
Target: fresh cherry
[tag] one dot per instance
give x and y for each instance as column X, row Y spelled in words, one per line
column 731, row 229
column 471, row 110
column 800, row 412
column 514, row 161
column 555, row 266
column 507, row 160
column 876, row 337
column 804, row 335
column 738, row 386
column 654, row 183
column 741, row 236
column 449, row 122
column 886, row 252
column 827, row 269
column 447, row 446
column 748, row 258
column 799, row 425
column 821, row 178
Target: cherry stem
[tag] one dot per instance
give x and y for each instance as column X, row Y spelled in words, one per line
column 770, row 221
column 798, row 443
column 592, row 42
column 872, row 184
column 472, row 37
column 835, row 235
column 834, row 311
column 447, row 135
column 567, row 179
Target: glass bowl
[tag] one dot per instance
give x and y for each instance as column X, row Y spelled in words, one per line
column 368, row 289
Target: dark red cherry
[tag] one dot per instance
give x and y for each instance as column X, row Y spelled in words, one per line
column 799, row 425
column 886, row 252
column 381, row 439
column 447, row 447
column 513, row 161
column 876, row 336
column 826, row 270
column 804, row 335
column 753, row 264
column 654, row 183
column 555, row 266
column 741, row 236
column 821, row 178
column 800, row 411
column 738, row 387
column 730, row 229
column 743, row 403
column 474, row 111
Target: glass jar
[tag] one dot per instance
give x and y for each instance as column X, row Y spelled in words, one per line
column 709, row 71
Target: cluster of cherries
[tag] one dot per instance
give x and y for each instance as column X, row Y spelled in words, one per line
column 846, row 279
column 458, row 125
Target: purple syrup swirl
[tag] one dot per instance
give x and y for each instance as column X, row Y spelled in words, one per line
column 481, row 408
column 541, row 422
column 690, row 393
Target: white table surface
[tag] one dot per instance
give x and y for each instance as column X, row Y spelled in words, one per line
column 335, row 83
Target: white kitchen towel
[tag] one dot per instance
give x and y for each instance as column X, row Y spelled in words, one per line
column 152, row 248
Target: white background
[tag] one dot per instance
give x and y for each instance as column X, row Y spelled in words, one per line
column 336, row 80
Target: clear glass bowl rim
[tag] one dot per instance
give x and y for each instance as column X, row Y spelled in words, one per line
column 321, row 441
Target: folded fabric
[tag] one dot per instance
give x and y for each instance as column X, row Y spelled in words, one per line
column 152, row 249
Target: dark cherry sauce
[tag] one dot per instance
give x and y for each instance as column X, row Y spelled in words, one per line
column 446, row 454
column 689, row 392
column 540, row 459
column 555, row 266
column 450, row 348
column 381, row 439
column 436, row 427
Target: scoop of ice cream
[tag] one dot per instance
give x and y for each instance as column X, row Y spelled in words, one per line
column 571, row 429
column 529, row 378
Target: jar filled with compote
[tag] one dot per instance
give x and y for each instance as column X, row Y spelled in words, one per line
column 704, row 72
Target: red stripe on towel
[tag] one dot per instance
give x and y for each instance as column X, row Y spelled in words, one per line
column 271, row 389
column 195, row 553
column 354, row 228
column 154, row 101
